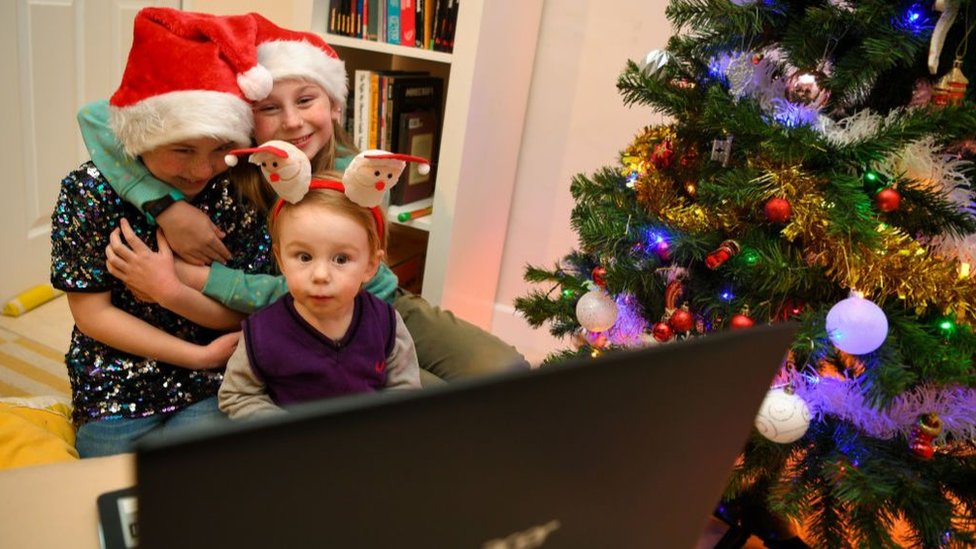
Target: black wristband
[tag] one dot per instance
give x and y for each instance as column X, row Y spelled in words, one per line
column 154, row 208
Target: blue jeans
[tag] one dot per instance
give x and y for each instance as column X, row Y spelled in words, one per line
column 116, row 436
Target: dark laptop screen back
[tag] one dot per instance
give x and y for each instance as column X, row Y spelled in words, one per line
column 629, row 450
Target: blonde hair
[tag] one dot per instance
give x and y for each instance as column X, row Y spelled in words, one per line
column 336, row 202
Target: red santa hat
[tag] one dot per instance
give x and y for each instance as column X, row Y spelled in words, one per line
column 189, row 75
column 293, row 54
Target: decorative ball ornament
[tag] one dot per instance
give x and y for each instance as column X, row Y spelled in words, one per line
column 783, row 417
column 662, row 154
column 599, row 275
column 887, row 199
column 923, row 433
column 662, row 332
column 682, row 320
column 856, row 325
column 663, row 250
column 804, row 87
column 741, row 321
column 778, row 210
column 596, row 311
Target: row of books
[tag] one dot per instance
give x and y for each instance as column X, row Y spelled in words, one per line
column 427, row 24
column 399, row 111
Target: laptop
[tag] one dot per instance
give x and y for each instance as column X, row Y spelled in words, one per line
column 632, row 449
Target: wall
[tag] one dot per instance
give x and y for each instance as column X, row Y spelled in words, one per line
column 576, row 123
column 292, row 14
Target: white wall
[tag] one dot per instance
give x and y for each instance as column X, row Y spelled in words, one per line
column 576, row 122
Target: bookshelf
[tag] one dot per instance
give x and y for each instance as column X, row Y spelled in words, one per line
column 486, row 81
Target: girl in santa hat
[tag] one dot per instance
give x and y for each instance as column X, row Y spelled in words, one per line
column 134, row 366
column 309, row 93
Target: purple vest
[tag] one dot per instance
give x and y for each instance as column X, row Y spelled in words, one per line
column 297, row 363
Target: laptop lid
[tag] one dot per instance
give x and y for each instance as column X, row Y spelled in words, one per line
column 628, row 450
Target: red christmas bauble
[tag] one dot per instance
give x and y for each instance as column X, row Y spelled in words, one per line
column 599, row 276
column 887, row 199
column 662, row 332
column 778, row 210
column 740, row 322
column 681, row 320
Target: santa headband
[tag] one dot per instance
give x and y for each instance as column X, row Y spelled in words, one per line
column 289, row 172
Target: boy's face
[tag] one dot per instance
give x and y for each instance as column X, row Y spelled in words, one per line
column 296, row 111
column 188, row 165
column 325, row 258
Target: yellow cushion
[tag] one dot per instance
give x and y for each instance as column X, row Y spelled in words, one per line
column 34, row 431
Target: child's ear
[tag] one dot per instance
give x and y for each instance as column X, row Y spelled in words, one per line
column 374, row 264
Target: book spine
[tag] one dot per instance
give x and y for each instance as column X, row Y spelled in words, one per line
column 374, row 110
column 393, row 21
column 362, row 106
column 430, row 7
column 408, row 29
column 372, row 19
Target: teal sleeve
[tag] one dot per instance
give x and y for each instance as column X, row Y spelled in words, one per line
column 243, row 292
column 126, row 175
column 247, row 293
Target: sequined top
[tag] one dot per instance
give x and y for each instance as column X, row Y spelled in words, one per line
column 108, row 383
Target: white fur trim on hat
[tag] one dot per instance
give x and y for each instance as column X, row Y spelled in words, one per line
column 255, row 83
column 300, row 59
column 177, row 116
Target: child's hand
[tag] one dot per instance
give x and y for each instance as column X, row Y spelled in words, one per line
column 192, row 234
column 217, row 353
column 150, row 275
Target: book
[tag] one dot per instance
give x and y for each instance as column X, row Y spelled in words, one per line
column 408, row 18
column 418, row 137
column 393, row 21
column 362, row 104
column 372, row 20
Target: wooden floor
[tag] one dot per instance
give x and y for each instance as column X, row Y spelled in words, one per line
column 49, row 324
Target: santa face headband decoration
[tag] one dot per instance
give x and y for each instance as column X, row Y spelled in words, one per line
column 289, row 172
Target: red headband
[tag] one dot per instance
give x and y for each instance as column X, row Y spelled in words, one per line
column 335, row 186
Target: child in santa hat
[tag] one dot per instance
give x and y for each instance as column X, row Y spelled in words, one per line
column 327, row 336
column 134, row 366
column 309, row 92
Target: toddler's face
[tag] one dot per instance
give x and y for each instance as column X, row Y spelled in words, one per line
column 325, row 258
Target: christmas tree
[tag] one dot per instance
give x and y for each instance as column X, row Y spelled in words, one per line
column 816, row 170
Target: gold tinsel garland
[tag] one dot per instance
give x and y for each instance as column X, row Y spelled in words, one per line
column 897, row 267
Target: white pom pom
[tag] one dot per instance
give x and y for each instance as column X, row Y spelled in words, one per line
column 255, row 83
column 423, row 169
column 230, row 160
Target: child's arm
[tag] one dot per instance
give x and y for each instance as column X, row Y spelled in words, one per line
column 98, row 319
column 402, row 366
column 250, row 292
column 241, row 393
column 153, row 275
column 192, row 233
